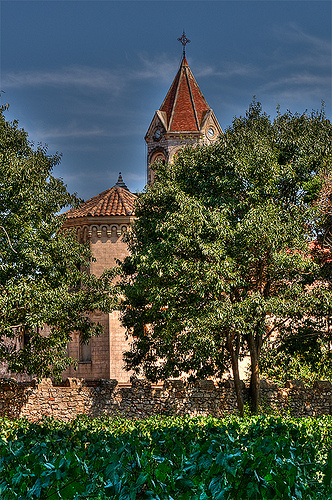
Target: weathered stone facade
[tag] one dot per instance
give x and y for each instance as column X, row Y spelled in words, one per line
column 140, row 399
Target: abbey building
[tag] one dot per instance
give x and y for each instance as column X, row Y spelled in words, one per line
column 183, row 118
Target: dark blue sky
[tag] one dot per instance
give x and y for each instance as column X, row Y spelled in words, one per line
column 85, row 77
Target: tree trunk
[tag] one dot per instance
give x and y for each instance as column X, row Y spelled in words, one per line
column 236, row 374
column 254, row 349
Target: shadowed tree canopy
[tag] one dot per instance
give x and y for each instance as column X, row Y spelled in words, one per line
column 42, row 269
column 220, row 258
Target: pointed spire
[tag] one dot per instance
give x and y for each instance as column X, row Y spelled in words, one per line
column 184, row 104
column 121, row 183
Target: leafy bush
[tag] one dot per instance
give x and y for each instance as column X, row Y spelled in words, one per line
column 297, row 357
column 166, row 458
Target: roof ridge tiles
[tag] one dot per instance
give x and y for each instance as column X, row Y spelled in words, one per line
column 184, row 103
column 118, row 201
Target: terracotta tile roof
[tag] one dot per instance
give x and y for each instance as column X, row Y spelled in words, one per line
column 184, row 103
column 114, row 201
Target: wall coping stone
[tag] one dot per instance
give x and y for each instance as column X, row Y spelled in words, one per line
column 267, row 384
column 108, row 384
column 294, row 384
column 44, row 383
column 140, row 383
column 7, row 384
column 74, row 382
column 173, row 384
column 205, row 385
column 143, row 384
column 229, row 383
column 322, row 385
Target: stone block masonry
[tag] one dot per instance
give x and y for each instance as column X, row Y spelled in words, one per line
column 35, row 400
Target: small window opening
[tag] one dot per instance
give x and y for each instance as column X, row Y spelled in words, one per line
column 85, row 352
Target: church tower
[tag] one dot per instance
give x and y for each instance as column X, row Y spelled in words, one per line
column 183, row 118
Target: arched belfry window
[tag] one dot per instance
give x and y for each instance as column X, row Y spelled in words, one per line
column 174, row 153
column 159, row 157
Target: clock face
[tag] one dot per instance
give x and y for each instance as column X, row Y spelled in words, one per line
column 157, row 134
column 210, row 132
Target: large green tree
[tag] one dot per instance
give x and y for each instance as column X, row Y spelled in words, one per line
column 220, row 258
column 43, row 278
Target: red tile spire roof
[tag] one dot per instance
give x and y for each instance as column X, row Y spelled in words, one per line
column 117, row 200
column 184, row 104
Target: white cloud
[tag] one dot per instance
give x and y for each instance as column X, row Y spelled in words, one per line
column 161, row 68
column 298, row 80
column 111, row 80
column 71, row 132
column 134, row 177
column 230, row 70
column 82, row 76
column 79, row 131
column 294, row 33
column 300, row 49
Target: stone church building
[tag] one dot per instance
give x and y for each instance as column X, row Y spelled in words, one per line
column 183, row 118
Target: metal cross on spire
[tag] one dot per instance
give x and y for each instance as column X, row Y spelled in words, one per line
column 184, row 40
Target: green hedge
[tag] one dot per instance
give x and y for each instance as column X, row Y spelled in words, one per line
column 167, row 458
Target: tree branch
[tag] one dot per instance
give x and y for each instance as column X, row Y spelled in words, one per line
column 11, row 246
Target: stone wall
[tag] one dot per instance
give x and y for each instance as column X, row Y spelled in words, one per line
column 139, row 399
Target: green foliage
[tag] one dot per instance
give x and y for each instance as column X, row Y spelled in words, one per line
column 220, row 256
column 42, row 278
column 162, row 459
column 305, row 357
